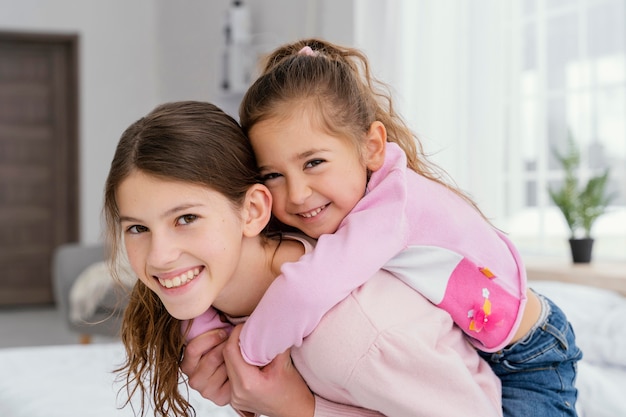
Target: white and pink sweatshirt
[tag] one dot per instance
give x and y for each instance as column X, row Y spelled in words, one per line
column 420, row 231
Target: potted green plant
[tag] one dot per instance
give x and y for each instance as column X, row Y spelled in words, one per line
column 581, row 205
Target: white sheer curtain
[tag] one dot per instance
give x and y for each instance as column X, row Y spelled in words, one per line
column 443, row 60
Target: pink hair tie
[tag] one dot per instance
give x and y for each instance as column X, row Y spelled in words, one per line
column 307, row 51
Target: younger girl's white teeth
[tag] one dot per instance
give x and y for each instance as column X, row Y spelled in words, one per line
column 312, row 213
column 180, row 280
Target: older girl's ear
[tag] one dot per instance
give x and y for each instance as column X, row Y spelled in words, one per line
column 375, row 146
column 257, row 209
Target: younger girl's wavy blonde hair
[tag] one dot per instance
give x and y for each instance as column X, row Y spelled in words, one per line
column 335, row 86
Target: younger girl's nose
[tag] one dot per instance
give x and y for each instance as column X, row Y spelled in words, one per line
column 298, row 191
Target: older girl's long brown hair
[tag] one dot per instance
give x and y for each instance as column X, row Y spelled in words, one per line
column 188, row 141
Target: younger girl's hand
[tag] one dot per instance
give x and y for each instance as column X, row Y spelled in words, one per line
column 203, row 363
column 275, row 390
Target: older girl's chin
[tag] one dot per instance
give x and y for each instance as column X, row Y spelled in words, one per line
column 186, row 312
column 186, row 309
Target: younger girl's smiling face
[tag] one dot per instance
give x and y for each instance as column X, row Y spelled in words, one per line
column 315, row 179
column 183, row 240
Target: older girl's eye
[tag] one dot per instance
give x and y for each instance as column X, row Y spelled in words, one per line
column 186, row 219
column 313, row 163
column 136, row 229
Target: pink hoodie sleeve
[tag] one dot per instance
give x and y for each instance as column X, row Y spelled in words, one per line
column 367, row 238
column 209, row 320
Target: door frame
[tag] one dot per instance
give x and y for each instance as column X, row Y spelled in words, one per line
column 65, row 84
column 70, row 151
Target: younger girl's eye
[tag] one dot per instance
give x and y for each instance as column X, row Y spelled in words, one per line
column 136, row 229
column 270, row 176
column 186, row 219
column 313, row 163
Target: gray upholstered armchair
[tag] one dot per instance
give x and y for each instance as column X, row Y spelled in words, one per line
column 70, row 262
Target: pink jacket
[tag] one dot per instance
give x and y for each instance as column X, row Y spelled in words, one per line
column 387, row 351
column 423, row 233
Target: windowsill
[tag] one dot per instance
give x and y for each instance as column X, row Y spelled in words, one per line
column 601, row 274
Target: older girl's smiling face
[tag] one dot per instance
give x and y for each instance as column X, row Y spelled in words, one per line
column 183, row 240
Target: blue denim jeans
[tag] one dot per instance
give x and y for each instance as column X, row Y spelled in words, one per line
column 538, row 372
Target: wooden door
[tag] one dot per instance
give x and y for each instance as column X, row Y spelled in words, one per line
column 38, row 161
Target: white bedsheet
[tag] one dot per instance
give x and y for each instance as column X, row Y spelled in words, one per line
column 76, row 380
column 70, row 381
column 598, row 318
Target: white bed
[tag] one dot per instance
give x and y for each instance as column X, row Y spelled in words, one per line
column 70, row 381
column 598, row 317
column 76, row 380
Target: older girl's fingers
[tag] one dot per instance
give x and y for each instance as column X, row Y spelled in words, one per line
column 199, row 347
column 203, row 363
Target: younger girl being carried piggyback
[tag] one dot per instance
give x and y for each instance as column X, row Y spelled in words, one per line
column 344, row 168
column 184, row 199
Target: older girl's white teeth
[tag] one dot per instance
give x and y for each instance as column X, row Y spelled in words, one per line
column 312, row 213
column 182, row 279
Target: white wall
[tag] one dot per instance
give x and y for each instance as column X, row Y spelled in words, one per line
column 191, row 35
column 136, row 54
column 117, row 77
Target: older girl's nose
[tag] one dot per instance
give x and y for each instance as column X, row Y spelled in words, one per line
column 162, row 251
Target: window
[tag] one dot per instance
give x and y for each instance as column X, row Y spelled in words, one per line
column 493, row 86
column 570, row 80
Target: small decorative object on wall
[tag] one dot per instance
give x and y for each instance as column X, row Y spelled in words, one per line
column 238, row 51
column 581, row 206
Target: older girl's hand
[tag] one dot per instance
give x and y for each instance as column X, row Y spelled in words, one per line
column 275, row 390
column 203, row 363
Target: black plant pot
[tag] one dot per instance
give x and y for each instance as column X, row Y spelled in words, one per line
column 581, row 250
